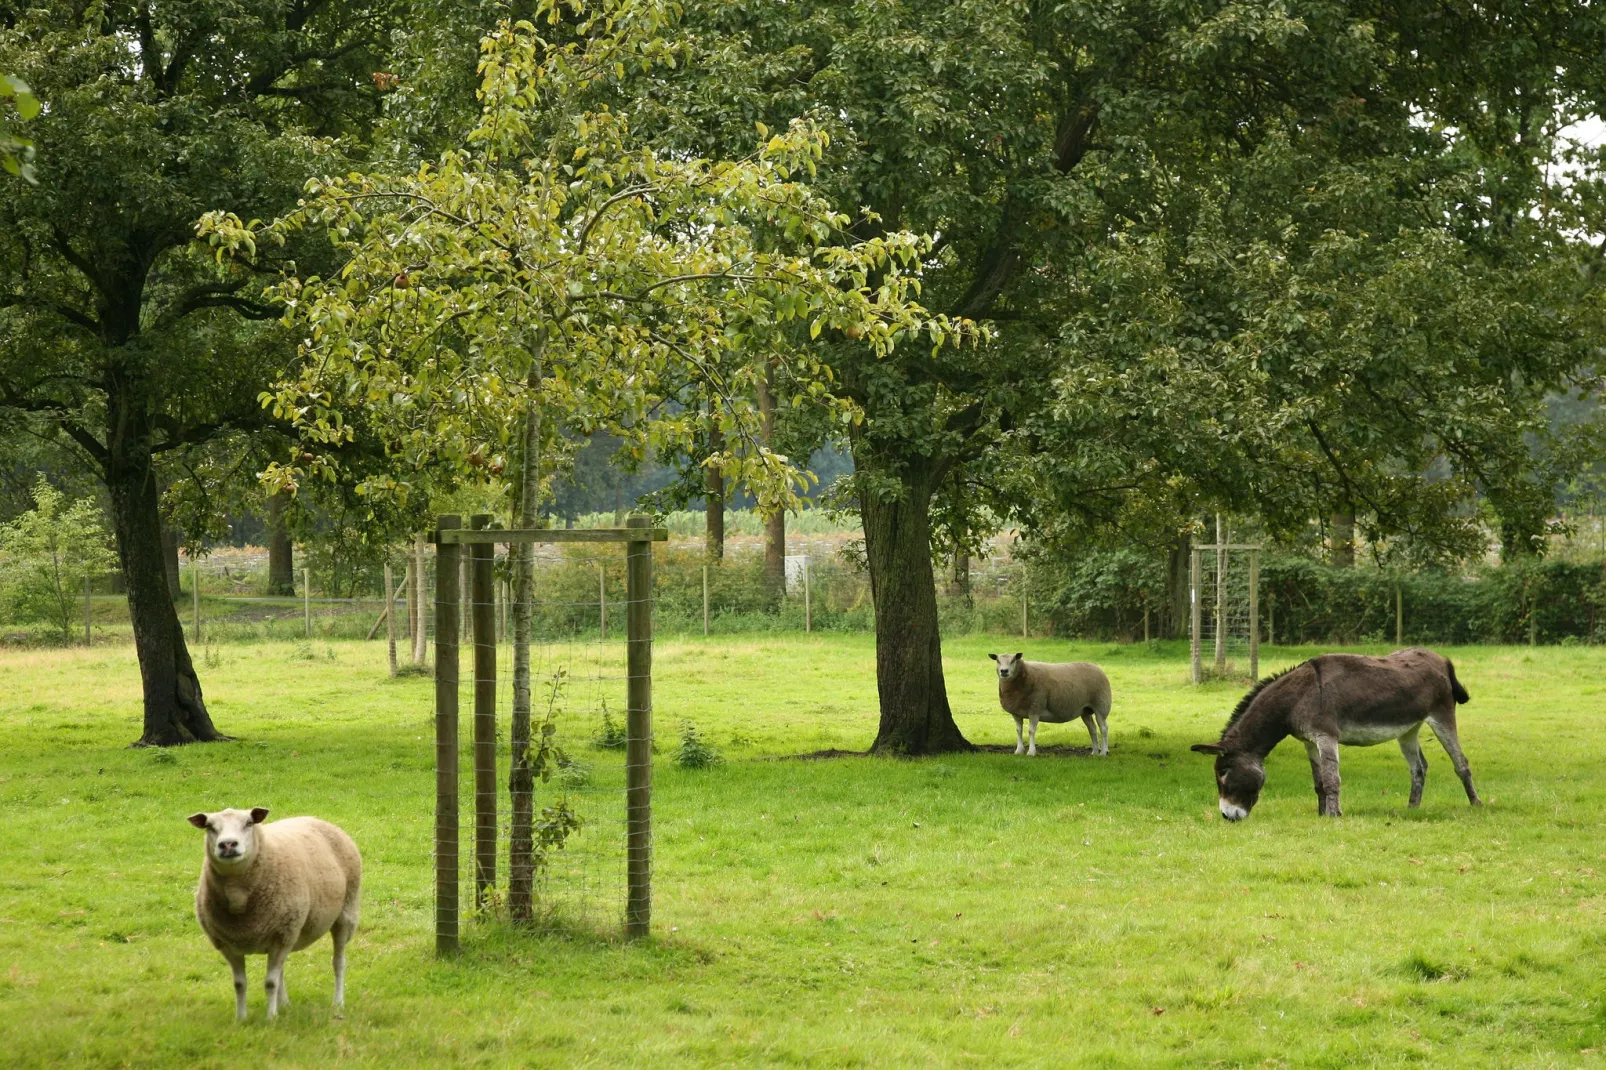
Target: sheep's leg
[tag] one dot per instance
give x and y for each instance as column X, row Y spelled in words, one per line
column 1104, row 734
column 1031, row 749
column 1020, row 736
column 275, row 978
column 1092, row 733
column 237, row 964
column 284, row 991
column 340, row 934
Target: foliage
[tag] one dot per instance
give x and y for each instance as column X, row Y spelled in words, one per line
column 47, row 554
column 560, row 264
column 16, row 151
column 695, row 752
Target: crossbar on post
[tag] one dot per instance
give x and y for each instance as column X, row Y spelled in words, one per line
column 638, row 745
column 446, row 680
column 481, row 556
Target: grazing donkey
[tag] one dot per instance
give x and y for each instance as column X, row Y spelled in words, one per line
column 1340, row 698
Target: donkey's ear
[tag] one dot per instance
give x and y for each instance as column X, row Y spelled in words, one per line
column 993, row 656
column 1207, row 748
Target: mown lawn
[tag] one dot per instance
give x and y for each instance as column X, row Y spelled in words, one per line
column 976, row 910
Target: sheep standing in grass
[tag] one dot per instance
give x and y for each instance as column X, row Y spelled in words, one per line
column 273, row 889
column 1055, row 692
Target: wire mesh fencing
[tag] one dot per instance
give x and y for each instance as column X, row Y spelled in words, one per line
column 1225, row 611
column 556, row 773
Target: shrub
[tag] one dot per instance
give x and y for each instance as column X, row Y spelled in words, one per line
column 695, row 752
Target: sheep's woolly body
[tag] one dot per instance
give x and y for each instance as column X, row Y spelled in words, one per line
column 304, row 880
column 1056, row 692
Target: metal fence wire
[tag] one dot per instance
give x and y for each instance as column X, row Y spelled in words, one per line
column 590, row 732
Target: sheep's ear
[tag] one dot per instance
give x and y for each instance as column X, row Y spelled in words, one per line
column 198, row 820
column 258, row 814
column 1207, row 748
column 993, row 656
column 1019, row 655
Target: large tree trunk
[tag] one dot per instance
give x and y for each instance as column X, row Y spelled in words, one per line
column 170, row 541
column 915, row 716
column 281, row 553
column 1343, row 553
column 1179, row 579
column 174, row 709
column 774, row 523
column 714, row 498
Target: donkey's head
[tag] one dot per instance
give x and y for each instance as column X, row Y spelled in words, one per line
column 1239, row 777
column 1009, row 665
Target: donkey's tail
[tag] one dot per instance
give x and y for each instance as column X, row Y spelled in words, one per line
column 1456, row 689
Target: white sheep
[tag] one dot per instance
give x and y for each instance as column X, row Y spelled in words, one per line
column 1055, row 692
column 273, row 889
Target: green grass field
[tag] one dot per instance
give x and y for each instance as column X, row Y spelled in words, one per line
column 977, row 910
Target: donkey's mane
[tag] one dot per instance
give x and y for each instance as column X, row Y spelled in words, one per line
column 1249, row 698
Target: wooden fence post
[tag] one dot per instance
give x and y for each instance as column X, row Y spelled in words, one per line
column 446, row 815
column 306, row 597
column 808, row 598
column 602, row 600
column 481, row 555
column 1194, row 564
column 705, row 600
column 1221, row 596
column 390, row 618
column 195, row 595
column 1023, row 628
column 89, row 639
column 1399, row 617
column 1254, row 614
column 638, row 746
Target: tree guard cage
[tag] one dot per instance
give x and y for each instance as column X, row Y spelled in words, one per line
column 476, row 545
column 1224, row 606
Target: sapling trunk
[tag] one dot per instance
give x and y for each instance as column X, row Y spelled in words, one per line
column 521, row 774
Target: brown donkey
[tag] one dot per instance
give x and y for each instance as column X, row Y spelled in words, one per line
column 1340, row 698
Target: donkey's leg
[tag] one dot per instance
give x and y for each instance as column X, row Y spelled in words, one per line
column 1092, row 733
column 1324, row 770
column 1020, row 736
column 1445, row 731
column 1031, row 748
column 1411, row 747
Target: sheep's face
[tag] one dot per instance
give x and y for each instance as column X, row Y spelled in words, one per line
column 1239, row 778
column 1009, row 665
column 231, row 835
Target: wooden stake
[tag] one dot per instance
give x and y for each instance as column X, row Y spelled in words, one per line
column 481, row 585
column 602, row 600
column 638, row 745
column 88, row 618
column 1023, row 629
column 306, row 597
column 1221, row 597
column 1194, row 566
column 446, row 812
column 705, row 600
column 1399, row 617
column 195, row 594
column 390, row 618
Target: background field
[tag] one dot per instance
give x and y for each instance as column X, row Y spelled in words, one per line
column 965, row 910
